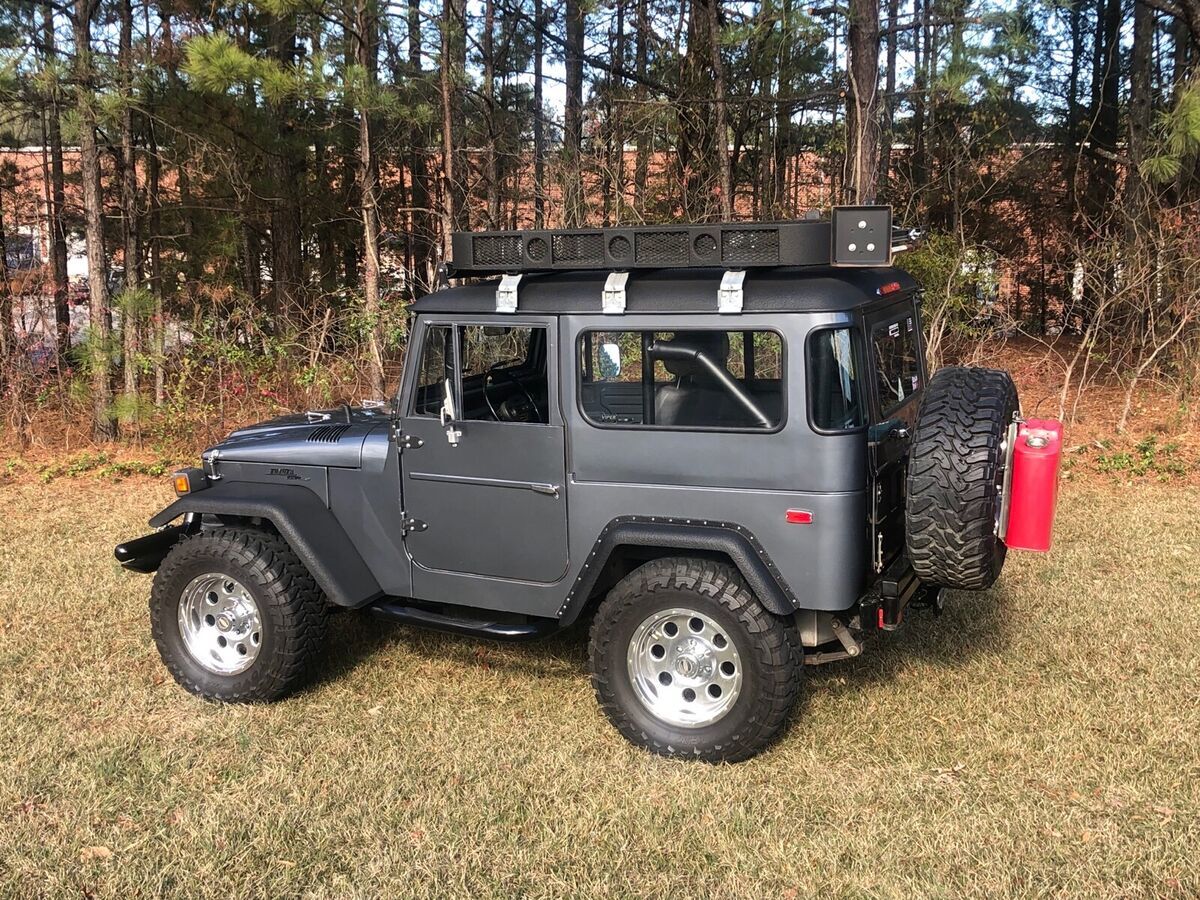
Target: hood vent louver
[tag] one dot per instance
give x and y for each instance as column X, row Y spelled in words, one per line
column 327, row 434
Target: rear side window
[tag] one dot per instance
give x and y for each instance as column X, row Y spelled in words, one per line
column 834, row 389
column 706, row 380
column 897, row 366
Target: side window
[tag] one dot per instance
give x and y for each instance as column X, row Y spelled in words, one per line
column 834, row 390
column 897, row 367
column 715, row 380
column 436, row 367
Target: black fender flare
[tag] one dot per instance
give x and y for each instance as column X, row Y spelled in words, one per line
column 308, row 526
column 728, row 538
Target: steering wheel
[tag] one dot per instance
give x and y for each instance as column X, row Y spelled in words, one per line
column 502, row 368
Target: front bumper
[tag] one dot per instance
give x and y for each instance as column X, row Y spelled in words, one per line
column 145, row 554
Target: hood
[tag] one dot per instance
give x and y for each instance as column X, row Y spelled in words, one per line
column 317, row 438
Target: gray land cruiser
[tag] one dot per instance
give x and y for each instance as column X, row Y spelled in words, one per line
column 718, row 443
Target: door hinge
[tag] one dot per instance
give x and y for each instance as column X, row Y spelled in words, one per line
column 404, row 441
column 412, row 524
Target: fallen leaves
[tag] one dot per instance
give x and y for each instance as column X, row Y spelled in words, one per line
column 97, row 852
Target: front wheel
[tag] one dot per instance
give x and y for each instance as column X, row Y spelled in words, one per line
column 236, row 615
column 687, row 662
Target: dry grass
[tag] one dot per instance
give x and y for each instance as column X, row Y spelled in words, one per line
column 1039, row 740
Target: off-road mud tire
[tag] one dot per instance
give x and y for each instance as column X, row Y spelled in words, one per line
column 768, row 645
column 293, row 612
column 955, row 476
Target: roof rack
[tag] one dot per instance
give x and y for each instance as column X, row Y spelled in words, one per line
column 852, row 236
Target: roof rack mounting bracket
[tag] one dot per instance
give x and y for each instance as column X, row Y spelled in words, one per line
column 506, row 293
column 729, row 294
column 612, row 299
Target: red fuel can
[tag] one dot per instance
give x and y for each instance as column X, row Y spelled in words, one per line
column 1033, row 492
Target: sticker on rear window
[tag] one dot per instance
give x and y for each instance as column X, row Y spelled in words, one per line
column 910, row 323
column 894, row 330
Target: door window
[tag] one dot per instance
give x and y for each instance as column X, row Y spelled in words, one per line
column 502, row 375
column 897, row 365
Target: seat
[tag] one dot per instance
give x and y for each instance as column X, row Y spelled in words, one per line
column 696, row 398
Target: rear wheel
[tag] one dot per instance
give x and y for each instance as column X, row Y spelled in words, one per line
column 956, row 477
column 687, row 662
column 236, row 615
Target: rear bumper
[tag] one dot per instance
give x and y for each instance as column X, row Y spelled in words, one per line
column 884, row 607
column 145, row 554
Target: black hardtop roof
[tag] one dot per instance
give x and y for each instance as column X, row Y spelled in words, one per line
column 783, row 289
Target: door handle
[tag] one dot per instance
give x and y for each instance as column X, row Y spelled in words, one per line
column 550, row 490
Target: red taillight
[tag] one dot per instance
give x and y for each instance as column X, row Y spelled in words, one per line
column 799, row 517
column 890, row 288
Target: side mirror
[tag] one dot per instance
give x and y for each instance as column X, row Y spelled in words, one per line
column 610, row 361
column 449, row 417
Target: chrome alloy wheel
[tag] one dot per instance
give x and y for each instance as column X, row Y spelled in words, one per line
column 684, row 668
column 220, row 623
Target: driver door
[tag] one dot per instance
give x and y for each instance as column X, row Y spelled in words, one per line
column 484, row 453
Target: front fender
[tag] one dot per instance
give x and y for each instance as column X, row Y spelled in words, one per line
column 311, row 530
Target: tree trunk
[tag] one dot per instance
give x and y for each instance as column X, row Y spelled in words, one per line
column 323, row 226
column 921, row 40
column 574, row 213
column 641, row 165
column 619, row 118
column 56, row 223
column 422, row 226
column 286, row 176
column 781, row 143
column 1106, row 132
column 130, row 325
column 720, row 114
column 487, row 49
column 862, row 102
column 452, row 20
column 159, row 325
column 889, row 97
column 365, row 29
column 8, row 337
column 1141, row 113
column 539, row 112
column 103, row 426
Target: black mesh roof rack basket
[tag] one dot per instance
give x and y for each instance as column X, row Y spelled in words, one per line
column 855, row 236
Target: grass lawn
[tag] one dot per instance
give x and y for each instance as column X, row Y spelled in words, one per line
column 1042, row 739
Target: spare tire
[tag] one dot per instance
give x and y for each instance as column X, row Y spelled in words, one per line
column 956, row 477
